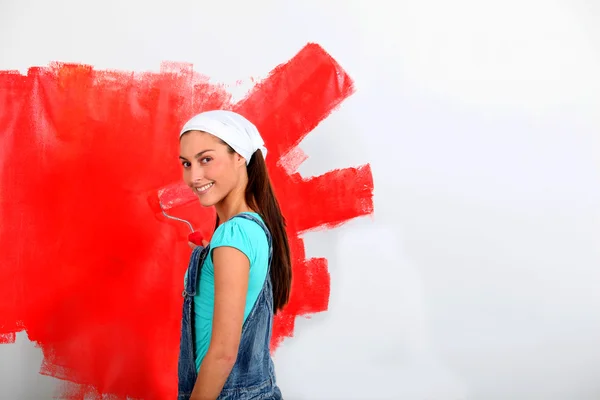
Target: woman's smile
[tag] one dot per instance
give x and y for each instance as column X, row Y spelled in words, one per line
column 203, row 189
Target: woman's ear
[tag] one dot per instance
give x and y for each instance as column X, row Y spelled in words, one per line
column 240, row 160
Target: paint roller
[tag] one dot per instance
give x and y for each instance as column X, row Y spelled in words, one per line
column 172, row 196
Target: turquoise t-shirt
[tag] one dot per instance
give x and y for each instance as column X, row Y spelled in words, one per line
column 249, row 238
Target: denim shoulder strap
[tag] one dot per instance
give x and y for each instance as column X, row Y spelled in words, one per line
column 195, row 264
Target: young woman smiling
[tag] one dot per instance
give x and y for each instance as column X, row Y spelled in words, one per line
column 236, row 283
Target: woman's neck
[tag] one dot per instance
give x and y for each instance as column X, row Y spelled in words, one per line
column 233, row 204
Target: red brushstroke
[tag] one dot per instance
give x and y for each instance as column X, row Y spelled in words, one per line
column 89, row 270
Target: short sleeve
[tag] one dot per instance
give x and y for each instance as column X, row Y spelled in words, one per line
column 236, row 233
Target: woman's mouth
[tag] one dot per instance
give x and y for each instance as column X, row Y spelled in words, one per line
column 204, row 189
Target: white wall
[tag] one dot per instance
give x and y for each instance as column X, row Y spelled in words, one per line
column 478, row 276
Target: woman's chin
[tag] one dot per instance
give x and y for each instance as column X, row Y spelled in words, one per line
column 207, row 201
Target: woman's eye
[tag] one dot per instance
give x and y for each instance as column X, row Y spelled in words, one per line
column 205, row 160
column 185, row 164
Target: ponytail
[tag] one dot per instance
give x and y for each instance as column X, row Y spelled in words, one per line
column 260, row 197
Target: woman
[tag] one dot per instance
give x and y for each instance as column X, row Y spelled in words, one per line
column 235, row 283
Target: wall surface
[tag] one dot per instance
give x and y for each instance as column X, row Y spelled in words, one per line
column 476, row 275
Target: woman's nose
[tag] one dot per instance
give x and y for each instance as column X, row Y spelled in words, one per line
column 197, row 174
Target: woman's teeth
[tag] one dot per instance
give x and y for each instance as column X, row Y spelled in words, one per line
column 204, row 188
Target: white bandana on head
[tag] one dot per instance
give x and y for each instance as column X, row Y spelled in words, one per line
column 230, row 127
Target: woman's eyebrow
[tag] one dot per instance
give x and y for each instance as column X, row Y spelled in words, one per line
column 197, row 155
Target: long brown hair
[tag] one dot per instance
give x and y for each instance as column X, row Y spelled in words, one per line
column 260, row 197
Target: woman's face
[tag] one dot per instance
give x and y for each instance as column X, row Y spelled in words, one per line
column 209, row 168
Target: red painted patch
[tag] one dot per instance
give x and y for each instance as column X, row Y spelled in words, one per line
column 88, row 268
column 6, row 338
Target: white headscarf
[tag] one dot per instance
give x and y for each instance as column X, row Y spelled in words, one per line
column 230, row 127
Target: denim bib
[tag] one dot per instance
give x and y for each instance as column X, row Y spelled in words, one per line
column 253, row 374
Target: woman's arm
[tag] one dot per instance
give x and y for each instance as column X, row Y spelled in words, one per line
column 232, row 269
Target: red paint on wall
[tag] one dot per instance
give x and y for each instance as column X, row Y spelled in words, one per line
column 91, row 273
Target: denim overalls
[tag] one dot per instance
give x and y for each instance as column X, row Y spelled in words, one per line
column 253, row 374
